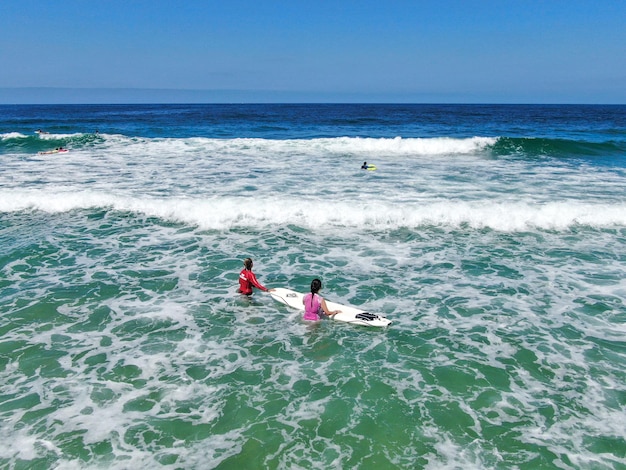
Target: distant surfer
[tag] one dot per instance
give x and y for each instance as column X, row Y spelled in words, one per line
column 315, row 303
column 56, row 150
column 39, row 131
column 247, row 279
column 364, row 166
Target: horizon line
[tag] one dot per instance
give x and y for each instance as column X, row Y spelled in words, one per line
column 135, row 95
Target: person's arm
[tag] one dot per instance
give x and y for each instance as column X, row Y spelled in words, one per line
column 328, row 312
column 253, row 280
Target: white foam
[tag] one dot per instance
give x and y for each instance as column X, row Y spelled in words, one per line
column 12, row 135
column 227, row 212
column 336, row 145
column 406, row 146
column 51, row 136
column 237, row 182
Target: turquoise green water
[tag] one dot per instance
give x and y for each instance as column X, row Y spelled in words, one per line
column 123, row 344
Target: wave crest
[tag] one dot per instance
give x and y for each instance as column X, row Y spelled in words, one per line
column 229, row 212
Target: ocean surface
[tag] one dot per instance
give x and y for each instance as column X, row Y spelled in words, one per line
column 493, row 237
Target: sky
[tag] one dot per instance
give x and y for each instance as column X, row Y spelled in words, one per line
column 392, row 51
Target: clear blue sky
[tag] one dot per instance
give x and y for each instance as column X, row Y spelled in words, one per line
column 461, row 51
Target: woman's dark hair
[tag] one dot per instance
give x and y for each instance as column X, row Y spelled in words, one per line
column 248, row 263
column 316, row 285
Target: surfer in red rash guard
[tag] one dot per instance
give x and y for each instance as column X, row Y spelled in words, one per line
column 247, row 279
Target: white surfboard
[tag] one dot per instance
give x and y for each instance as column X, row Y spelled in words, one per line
column 348, row 314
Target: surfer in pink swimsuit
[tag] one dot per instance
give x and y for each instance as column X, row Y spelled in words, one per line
column 314, row 304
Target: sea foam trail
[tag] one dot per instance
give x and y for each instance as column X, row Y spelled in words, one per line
column 228, row 212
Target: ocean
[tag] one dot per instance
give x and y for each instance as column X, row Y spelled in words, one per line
column 493, row 237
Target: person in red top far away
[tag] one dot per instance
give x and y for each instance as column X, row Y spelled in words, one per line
column 247, row 279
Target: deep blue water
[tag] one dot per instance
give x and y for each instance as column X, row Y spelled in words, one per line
column 591, row 123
